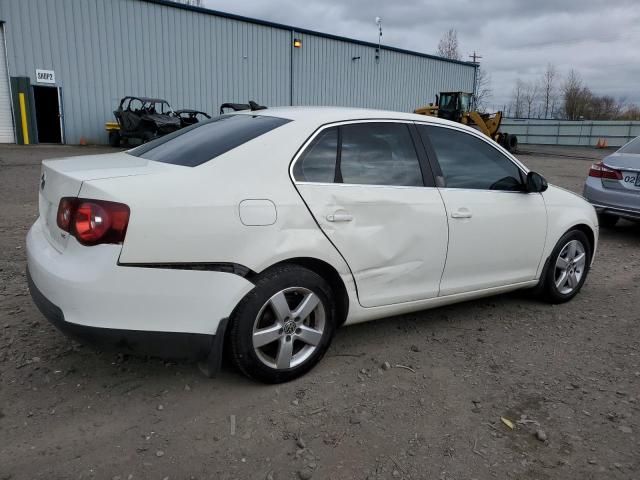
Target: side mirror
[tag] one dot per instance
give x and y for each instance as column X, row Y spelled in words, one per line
column 535, row 183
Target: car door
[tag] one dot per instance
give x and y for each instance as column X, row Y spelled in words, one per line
column 372, row 193
column 497, row 231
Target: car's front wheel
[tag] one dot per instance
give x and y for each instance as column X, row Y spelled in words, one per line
column 284, row 326
column 567, row 268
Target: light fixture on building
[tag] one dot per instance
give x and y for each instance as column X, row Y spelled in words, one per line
column 297, row 43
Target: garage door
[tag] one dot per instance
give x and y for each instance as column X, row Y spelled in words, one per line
column 6, row 120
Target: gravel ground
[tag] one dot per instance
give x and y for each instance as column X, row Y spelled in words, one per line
column 567, row 376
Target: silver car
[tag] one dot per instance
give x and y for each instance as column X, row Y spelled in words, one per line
column 613, row 185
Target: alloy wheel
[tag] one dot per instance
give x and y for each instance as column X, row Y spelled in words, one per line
column 288, row 328
column 570, row 267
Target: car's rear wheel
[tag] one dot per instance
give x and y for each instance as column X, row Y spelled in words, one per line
column 284, row 326
column 567, row 268
column 607, row 220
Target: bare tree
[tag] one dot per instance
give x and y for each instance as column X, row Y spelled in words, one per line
column 576, row 97
column 575, row 101
column 448, row 45
column 530, row 95
column 517, row 99
column 604, row 108
column 483, row 89
column 630, row 112
column 549, row 90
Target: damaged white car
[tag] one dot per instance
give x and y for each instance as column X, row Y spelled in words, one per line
column 261, row 232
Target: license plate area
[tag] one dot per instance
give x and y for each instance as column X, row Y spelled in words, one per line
column 631, row 180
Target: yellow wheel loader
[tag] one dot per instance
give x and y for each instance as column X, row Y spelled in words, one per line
column 457, row 107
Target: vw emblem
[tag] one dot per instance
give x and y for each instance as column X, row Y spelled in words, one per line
column 42, row 182
column 290, row 327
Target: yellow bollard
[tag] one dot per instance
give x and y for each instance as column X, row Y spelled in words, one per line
column 23, row 116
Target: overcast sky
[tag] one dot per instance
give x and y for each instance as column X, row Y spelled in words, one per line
column 599, row 39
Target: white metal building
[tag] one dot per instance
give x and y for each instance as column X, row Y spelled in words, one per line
column 65, row 64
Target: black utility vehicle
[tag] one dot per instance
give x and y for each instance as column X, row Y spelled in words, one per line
column 191, row 117
column 143, row 119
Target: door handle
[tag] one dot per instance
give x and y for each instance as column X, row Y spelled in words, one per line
column 339, row 217
column 462, row 213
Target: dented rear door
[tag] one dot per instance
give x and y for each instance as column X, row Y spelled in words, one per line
column 380, row 211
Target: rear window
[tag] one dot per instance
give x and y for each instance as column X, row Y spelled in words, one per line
column 204, row 141
column 632, row 147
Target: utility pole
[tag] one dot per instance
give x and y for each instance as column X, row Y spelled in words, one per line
column 379, row 24
column 474, row 59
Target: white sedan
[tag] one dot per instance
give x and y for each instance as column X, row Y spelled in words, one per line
column 262, row 232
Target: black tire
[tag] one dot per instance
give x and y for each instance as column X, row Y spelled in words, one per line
column 607, row 220
column 253, row 361
column 504, row 141
column 513, row 143
column 114, row 138
column 548, row 289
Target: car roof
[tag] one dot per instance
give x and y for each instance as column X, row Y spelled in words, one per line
column 323, row 115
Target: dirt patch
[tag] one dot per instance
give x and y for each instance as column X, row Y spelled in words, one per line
column 572, row 371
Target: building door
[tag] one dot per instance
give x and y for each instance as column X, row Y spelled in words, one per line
column 46, row 101
column 6, row 118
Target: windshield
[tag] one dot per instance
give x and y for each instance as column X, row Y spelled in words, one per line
column 448, row 102
column 158, row 107
column 632, row 147
column 204, row 141
column 465, row 101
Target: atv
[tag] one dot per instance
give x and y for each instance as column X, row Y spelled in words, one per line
column 190, row 117
column 143, row 119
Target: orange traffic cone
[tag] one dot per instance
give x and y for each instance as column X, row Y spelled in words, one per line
column 604, row 143
column 599, row 143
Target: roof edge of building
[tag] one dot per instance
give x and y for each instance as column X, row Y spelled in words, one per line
column 266, row 23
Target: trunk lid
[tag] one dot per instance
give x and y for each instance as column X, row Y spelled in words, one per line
column 64, row 177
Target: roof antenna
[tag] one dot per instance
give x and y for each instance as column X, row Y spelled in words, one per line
column 379, row 24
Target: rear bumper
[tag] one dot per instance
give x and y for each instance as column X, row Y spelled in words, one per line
column 611, row 201
column 191, row 346
column 156, row 311
column 91, row 289
column 620, row 212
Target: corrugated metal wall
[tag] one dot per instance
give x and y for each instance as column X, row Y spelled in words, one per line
column 329, row 72
column 6, row 117
column 564, row 132
column 102, row 50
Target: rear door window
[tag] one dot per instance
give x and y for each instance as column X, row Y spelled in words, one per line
column 205, row 141
column 382, row 153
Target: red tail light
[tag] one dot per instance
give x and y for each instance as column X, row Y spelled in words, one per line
column 93, row 221
column 600, row 170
